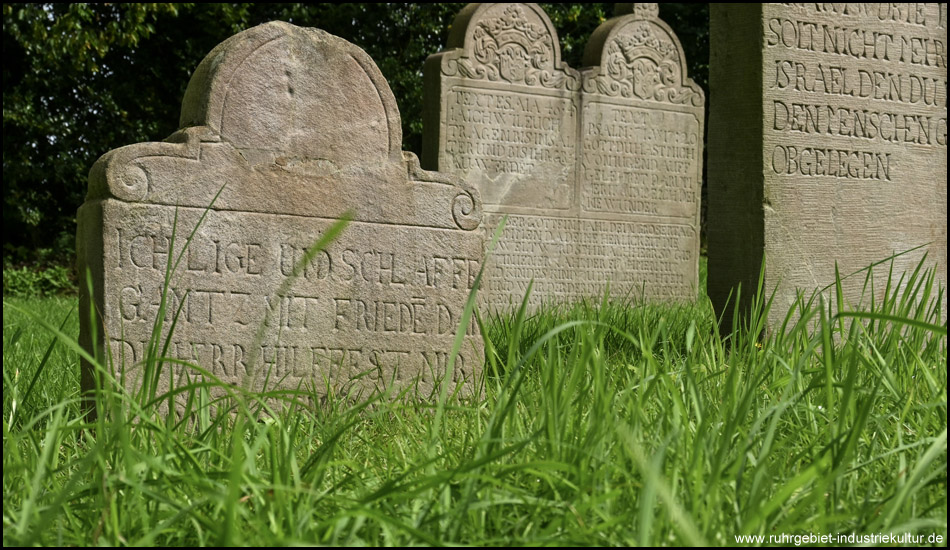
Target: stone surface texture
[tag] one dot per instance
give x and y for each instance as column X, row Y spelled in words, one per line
column 283, row 131
column 598, row 171
column 827, row 147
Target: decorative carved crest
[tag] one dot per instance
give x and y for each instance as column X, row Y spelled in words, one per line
column 511, row 48
column 646, row 11
column 643, row 61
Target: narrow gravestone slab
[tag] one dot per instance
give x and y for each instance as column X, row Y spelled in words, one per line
column 828, row 145
column 641, row 162
column 294, row 127
column 598, row 172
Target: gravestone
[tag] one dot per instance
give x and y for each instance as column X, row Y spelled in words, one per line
column 641, row 163
column 283, row 131
column 598, row 172
column 501, row 112
column 827, row 146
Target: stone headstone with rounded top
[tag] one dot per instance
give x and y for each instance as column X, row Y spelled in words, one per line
column 598, row 171
column 284, row 130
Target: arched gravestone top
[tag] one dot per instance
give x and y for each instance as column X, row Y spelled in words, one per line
column 512, row 43
column 638, row 56
column 504, row 59
column 301, row 122
column 283, row 131
column 258, row 90
column 598, row 171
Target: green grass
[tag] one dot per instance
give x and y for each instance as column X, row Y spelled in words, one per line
column 599, row 425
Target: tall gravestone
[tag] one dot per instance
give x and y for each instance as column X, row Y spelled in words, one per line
column 291, row 128
column 598, row 171
column 827, row 145
column 641, row 160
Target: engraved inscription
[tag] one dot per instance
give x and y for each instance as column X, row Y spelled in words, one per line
column 599, row 171
column 212, row 271
column 830, row 151
column 310, row 366
column 518, row 147
column 573, row 259
column 855, row 122
column 860, row 82
column 404, row 302
column 640, row 161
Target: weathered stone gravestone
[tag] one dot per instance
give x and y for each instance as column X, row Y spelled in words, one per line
column 642, row 152
column 827, row 143
column 598, row 171
column 294, row 127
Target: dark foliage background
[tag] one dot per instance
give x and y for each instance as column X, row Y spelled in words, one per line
column 81, row 79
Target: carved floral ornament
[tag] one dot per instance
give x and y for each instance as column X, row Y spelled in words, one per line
column 646, row 11
column 511, row 48
column 641, row 58
column 643, row 61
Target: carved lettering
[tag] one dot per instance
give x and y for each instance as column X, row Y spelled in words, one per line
column 882, row 84
column 582, row 164
column 830, row 150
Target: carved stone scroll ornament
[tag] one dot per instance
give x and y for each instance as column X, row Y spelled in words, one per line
column 512, row 49
column 643, row 60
